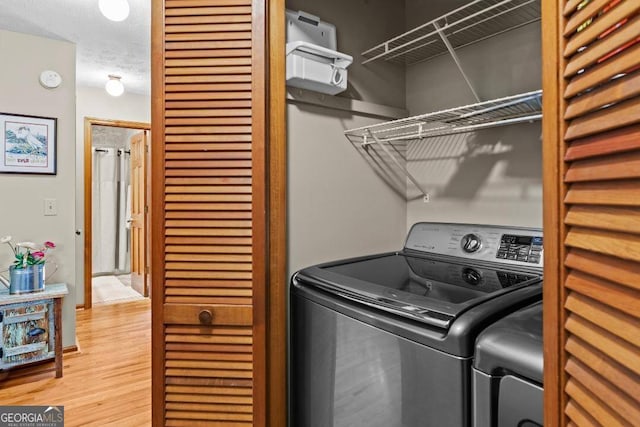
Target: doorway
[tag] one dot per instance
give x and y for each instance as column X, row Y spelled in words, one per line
column 116, row 261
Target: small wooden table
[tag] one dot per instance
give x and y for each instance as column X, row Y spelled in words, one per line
column 31, row 327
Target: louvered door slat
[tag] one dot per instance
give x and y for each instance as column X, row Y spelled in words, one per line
column 570, row 7
column 603, row 72
column 607, row 218
column 610, row 369
column 212, row 18
column 579, row 416
column 609, row 318
column 592, row 310
column 205, row 37
column 616, row 348
column 603, row 23
column 194, row 4
column 602, row 414
column 619, row 166
column 604, row 292
column 600, row 48
column 619, row 90
column 623, row 193
column 615, row 269
column 592, row 8
column 613, row 117
column 621, row 245
column 619, row 404
column 620, row 140
column 209, row 11
column 211, row 190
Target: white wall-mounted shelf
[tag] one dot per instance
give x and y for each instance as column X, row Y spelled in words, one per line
column 525, row 107
column 513, row 109
column 476, row 21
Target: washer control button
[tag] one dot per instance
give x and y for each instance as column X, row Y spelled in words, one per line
column 471, row 243
column 472, row 276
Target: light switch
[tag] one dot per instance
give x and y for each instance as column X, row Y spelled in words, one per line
column 50, row 207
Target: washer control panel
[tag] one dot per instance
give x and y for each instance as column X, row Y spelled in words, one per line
column 520, row 248
column 517, row 246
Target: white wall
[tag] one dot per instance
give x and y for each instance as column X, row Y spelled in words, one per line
column 21, row 210
column 97, row 103
column 493, row 176
column 338, row 206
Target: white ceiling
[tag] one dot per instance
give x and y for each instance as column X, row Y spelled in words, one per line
column 103, row 47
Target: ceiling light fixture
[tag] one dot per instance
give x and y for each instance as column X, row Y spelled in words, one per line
column 114, row 86
column 115, row 10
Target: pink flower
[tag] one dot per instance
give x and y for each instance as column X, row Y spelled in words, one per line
column 49, row 245
column 38, row 254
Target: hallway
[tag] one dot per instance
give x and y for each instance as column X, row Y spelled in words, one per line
column 109, row 381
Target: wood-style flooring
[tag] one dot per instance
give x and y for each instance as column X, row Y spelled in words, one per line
column 106, row 383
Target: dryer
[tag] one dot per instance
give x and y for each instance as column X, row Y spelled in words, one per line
column 507, row 371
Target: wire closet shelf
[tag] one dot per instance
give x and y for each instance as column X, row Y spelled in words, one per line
column 474, row 22
column 525, row 107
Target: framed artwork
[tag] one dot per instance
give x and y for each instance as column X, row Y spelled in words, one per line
column 28, row 144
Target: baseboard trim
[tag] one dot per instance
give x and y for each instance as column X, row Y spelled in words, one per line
column 70, row 349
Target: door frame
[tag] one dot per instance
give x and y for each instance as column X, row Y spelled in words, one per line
column 277, row 279
column 88, row 192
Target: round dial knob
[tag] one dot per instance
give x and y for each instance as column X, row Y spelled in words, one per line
column 472, row 276
column 471, row 243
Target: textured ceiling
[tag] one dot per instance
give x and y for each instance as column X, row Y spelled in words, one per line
column 109, row 136
column 103, row 47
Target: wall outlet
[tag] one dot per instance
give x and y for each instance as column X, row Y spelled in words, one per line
column 426, row 198
column 50, row 207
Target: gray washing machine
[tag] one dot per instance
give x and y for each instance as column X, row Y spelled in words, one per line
column 507, row 371
column 388, row 340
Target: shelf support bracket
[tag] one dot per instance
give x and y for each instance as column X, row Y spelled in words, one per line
column 454, row 55
column 398, row 164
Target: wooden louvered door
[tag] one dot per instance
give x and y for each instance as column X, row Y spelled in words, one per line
column 592, row 212
column 209, row 212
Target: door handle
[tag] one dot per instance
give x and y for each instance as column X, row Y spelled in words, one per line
column 205, row 317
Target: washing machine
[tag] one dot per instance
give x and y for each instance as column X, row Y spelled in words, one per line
column 507, row 371
column 388, row 340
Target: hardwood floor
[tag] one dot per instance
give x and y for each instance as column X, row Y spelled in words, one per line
column 108, row 382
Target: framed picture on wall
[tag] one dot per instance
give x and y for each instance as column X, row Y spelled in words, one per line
column 28, row 144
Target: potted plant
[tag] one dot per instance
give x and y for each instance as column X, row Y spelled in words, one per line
column 27, row 272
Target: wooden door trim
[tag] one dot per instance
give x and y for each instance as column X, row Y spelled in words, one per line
column 88, row 192
column 157, row 226
column 277, row 217
column 259, row 85
column 551, row 158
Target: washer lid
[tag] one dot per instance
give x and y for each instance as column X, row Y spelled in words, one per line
column 513, row 344
column 428, row 289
